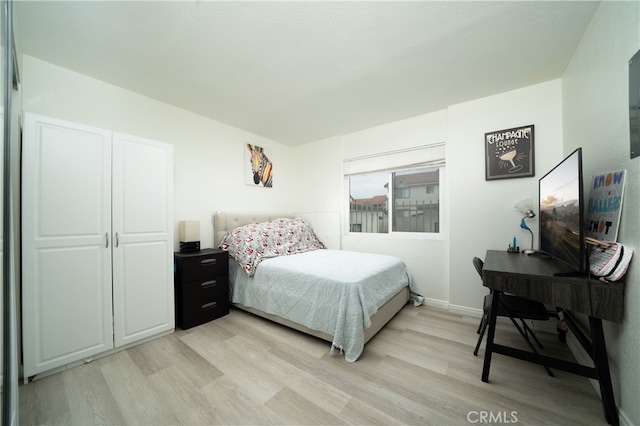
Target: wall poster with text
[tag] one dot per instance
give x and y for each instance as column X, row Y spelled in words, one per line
column 605, row 206
column 509, row 153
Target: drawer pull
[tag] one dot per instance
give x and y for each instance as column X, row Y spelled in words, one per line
column 208, row 284
column 209, row 305
column 208, row 261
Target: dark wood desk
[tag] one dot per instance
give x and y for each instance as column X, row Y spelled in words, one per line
column 533, row 277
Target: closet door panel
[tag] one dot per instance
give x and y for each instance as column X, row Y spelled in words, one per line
column 144, row 311
column 143, row 229
column 66, row 253
column 71, row 168
column 63, row 297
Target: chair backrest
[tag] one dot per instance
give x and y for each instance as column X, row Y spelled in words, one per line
column 479, row 264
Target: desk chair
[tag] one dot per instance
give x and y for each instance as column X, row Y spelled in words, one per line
column 513, row 307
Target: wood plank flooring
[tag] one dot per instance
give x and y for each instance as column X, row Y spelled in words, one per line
column 241, row 369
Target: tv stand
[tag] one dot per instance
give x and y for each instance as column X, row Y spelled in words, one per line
column 543, row 279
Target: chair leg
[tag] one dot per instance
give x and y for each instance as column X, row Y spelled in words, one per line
column 528, row 331
column 533, row 348
column 482, row 321
column 484, row 325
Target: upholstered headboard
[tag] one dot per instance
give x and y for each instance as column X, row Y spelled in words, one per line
column 225, row 222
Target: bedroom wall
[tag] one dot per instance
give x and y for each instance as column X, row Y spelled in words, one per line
column 596, row 116
column 482, row 212
column 478, row 215
column 318, row 192
column 208, row 156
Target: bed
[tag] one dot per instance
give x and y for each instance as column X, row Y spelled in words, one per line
column 329, row 294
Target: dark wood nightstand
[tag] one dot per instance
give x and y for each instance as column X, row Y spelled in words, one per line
column 201, row 283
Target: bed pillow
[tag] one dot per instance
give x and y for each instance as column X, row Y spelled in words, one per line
column 250, row 244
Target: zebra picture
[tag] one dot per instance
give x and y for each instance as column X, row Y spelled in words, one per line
column 261, row 167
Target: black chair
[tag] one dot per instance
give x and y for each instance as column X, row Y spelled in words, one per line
column 513, row 307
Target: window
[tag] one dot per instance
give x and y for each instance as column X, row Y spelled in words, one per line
column 402, row 192
column 404, row 200
column 368, row 203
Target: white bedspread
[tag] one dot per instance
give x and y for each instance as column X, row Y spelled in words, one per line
column 332, row 291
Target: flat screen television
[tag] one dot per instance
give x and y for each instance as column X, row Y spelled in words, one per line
column 562, row 213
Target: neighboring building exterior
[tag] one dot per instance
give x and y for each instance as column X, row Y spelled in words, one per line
column 416, row 206
column 369, row 214
column 416, row 202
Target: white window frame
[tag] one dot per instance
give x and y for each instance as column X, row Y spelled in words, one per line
column 428, row 155
column 390, row 232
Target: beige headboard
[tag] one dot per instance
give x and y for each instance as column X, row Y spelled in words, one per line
column 225, row 222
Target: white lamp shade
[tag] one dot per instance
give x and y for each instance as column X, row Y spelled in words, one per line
column 189, row 231
column 525, row 207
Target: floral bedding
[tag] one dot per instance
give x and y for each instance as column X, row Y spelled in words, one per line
column 250, row 244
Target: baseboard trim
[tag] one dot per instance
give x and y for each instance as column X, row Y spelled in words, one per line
column 435, row 303
column 463, row 310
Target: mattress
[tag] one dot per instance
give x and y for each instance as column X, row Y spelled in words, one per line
column 331, row 291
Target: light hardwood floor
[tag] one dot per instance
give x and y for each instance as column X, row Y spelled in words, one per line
column 241, row 369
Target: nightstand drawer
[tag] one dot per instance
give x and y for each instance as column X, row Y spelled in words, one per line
column 216, row 288
column 201, row 312
column 203, row 264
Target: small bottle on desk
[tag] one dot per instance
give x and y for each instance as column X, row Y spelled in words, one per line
column 513, row 248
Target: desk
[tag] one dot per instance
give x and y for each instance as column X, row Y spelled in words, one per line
column 533, row 277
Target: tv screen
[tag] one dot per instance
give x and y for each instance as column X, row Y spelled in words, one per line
column 561, row 212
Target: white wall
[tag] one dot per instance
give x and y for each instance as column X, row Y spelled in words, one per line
column 318, row 187
column 596, row 116
column 208, row 156
column 477, row 214
column 482, row 212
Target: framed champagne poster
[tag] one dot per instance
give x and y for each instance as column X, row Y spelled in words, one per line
column 509, row 153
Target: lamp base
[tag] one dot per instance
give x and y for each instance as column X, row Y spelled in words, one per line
column 189, row 247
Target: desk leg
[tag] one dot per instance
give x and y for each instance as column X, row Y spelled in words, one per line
column 490, row 335
column 601, row 363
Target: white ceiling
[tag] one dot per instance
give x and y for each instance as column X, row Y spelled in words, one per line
column 297, row 72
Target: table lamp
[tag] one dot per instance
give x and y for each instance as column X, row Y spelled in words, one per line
column 189, row 232
column 524, row 207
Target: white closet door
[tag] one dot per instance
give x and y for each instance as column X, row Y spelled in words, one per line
column 143, row 238
column 66, row 264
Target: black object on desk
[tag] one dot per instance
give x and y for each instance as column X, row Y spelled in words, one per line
column 201, row 285
column 536, row 278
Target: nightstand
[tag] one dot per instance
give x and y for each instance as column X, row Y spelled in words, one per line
column 201, row 283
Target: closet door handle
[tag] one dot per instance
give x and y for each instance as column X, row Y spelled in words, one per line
column 117, row 240
column 106, row 236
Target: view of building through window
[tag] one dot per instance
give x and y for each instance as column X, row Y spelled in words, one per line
column 415, row 206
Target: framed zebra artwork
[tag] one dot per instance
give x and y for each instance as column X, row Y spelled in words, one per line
column 259, row 169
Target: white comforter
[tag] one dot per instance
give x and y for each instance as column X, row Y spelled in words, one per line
column 331, row 291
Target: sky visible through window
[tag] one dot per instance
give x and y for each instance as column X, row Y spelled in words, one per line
column 370, row 185
column 367, row 186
